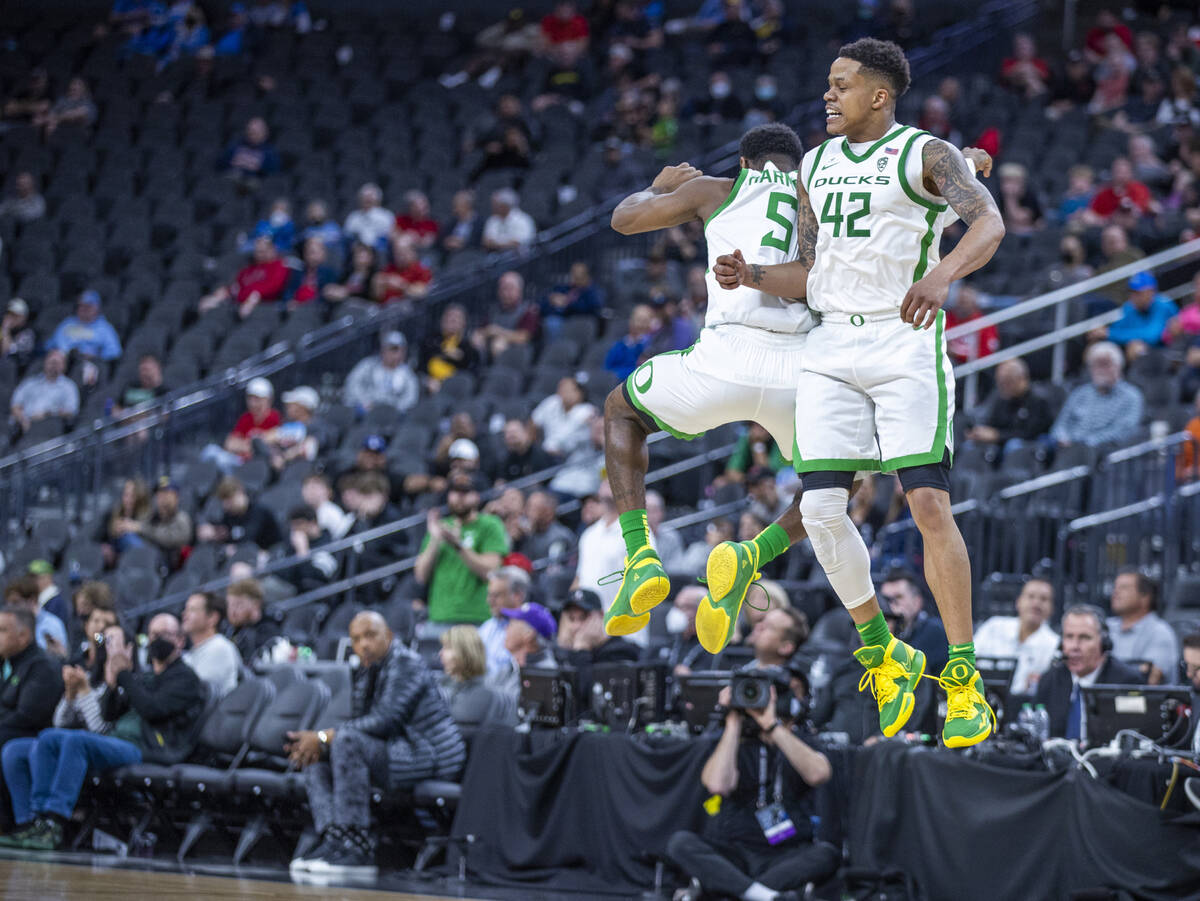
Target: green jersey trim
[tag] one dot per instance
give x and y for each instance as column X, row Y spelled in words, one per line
column 903, row 165
column 855, row 158
column 926, row 243
column 737, row 185
column 938, row 451
column 816, row 162
column 835, row 464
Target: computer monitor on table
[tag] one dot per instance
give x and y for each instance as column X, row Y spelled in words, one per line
column 997, row 675
column 1154, row 711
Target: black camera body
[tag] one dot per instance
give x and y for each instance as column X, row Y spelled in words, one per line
column 752, row 691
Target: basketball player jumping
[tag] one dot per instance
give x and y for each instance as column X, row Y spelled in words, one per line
column 878, row 390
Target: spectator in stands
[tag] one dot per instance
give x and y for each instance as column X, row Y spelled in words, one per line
column 146, row 387
column 252, row 156
column 444, row 354
column 601, row 550
column 119, row 532
column 509, row 227
column 777, row 636
column 625, row 355
column 471, row 700
column 509, row 507
column 529, row 641
column 505, row 136
column 1123, row 199
column 399, row 732
column 507, row 589
column 1191, row 665
column 1081, row 188
column 1183, row 106
column 415, row 222
column 25, row 204
column 87, row 599
column 1147, row 167
column 464, row 229
column 1015, row 414
column 360, row 276
column 1144, row 318
column 755, row 447
column 905, row 598
column 719, row 105
column 1138, row 632
column 308, row 283
column 1026, row 636
column 564, row 418
column 545, row 537
column 582, row 641
column 317, row 224
column 259, row 419
column 457, row 554
column 621, row 171
column 34, row 684
column 935, row 119
column 579, row 296
column 1107, row 410
column 317, row 567
column 683, row 653
column 212, row 656
column 564, row 30
column 695, row 557
column 522, row 456
column 513, row 321
column 318, row 494
column 1186, row 325
column 49, row 631
column 965, row 309
column 371, row 223
column 167, row 527
column 241, row 521
column 298, row 437
column 1085, row 661
column 278, row 226
column 1018, row 201
column 733, row 856
column 367, row 497
column 1025, row 73
column 87, row 334
column 677, row 328
column 1117, row 251
column 250, row 632
column 50, row 394
column 383, row 379
column 49, row 597
column 18, row 340
column 765, row 106
column 404, row 278
column 75, row 107
column 765, row 500
column 31, row 98
column 261, row 281
column 150, row 715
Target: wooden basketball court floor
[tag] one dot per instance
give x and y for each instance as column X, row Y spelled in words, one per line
column 66, row 877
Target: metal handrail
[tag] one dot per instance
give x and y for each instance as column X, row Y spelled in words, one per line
column 1049, row 480
column 1107, row 516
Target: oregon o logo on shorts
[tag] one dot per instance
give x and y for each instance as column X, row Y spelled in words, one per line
column 857, row 319
column 643, row 376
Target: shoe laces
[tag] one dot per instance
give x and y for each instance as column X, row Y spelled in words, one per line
column 963, row 701
column 612, row 578
column 881, row 680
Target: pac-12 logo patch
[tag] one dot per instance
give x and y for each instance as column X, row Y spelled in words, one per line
column 881, row 163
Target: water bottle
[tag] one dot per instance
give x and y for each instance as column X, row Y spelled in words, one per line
column 1041, row 722
column 1025, row 720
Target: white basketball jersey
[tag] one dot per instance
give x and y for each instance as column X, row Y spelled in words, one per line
column 879, row 228
column 758, row 218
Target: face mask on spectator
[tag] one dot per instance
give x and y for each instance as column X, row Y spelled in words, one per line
column 765, row 91
column 721, row 89
column 160, row 649
column 677, row 621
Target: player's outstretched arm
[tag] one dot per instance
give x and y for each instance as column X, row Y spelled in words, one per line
column 946, row 168
column 786, row 280
column 677, row 195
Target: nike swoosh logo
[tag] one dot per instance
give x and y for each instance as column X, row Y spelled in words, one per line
column 827, row 165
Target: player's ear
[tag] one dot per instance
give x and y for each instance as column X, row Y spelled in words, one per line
column 743, row 162
column 880, row 100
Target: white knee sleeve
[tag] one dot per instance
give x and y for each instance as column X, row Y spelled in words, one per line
column 839, row 548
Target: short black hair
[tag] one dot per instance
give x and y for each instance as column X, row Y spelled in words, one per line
column 904, row 575
column 1145, row 584
column 773, row 139
column 1192, row 640
column 213, row 603
column 884, row 59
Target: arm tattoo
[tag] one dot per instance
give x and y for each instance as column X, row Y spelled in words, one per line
column 756, row 274
column 945, row 167
column 807, row 248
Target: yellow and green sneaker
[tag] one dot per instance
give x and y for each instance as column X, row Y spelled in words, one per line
column 644, row 586
column 969, row 717
column 892, row 675
column 732, row 567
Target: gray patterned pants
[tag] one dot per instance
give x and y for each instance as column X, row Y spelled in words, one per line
column 339, row 790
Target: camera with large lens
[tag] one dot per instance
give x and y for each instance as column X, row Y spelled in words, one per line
column 750, row 691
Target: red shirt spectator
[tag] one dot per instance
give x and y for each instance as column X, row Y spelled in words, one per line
column 565, row 24
column 983, row 342
column 249, row 427
column 1106, row 23
column 415, row 221
column 404, row 277
column 263, row 280
column 260, row 417
column 1123, row 194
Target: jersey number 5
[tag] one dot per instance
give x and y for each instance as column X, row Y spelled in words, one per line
column 775, row 215
column 833, row 213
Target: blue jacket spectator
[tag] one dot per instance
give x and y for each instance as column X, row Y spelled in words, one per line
column 252, row 156
column 87, row 333
column 624, row 356
column 1108, row 410
column 1145, row 315
column 580, row 296
column 307, row 283
column 278, row 226
column 317, row 224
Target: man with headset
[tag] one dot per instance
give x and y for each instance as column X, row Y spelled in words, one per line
column 1086, row 660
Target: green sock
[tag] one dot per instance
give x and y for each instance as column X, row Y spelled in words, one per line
column 965, row 651
column 875, row 631
column 771, row 542
column 634, row 530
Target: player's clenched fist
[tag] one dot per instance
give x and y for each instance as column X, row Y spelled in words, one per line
column 730, row 270
column 672, row 177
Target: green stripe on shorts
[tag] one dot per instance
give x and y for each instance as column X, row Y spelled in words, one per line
column 646, row 372
column 939, row 436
